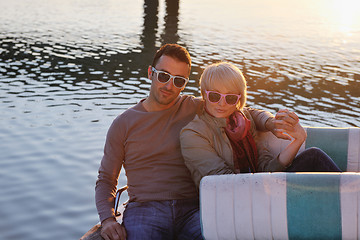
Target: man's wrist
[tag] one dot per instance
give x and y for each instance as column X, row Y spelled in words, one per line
column 110, row 219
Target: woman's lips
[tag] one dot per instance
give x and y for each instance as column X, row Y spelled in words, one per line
column 220, row 110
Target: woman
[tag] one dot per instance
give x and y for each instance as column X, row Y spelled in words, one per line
column 221, row 139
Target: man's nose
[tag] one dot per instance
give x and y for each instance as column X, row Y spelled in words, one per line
column 169, row 84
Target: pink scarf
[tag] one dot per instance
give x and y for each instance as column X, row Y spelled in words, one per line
column 242, row 142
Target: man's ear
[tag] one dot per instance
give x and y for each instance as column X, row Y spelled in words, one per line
column 182, row 89
column 149, row 72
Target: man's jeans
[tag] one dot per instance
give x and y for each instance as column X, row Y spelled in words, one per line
column 174, row 219
column 313, row 160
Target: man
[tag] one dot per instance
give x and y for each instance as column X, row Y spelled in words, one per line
column 145, row 140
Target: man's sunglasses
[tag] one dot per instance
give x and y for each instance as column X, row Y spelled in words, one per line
column 215, row 97
column 164, row 77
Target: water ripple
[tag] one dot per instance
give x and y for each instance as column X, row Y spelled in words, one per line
column 68, row 68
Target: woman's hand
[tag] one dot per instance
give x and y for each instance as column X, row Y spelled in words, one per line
column 298, row 133
column 284, row 122
column 290, row 125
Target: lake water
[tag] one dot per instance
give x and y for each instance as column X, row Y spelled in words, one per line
column 68, row 68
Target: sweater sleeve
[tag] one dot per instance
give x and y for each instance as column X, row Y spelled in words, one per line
column 109, row 171
column 260, row 117
column 200, row 157
column 267, row 161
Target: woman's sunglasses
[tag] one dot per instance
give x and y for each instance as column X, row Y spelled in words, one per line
column 164, row 77
column 215, row 97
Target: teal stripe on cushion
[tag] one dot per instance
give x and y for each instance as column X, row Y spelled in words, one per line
column 333, row 141
column 313, row 206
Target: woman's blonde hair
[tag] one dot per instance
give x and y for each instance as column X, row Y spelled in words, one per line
column 227, row 75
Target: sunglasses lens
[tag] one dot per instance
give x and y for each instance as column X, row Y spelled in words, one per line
column 231, row 99
column 163, row 77
column 214, row 97
column 179, row 82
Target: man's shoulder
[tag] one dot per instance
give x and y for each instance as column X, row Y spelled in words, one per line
column 189, row 103
column 186, row 103
column 190, row 99
column 129, row 113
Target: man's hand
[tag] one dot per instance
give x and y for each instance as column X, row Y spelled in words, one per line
column 112, row 230
column 284, row 122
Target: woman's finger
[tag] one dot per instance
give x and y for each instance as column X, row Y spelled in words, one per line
column 280, row 134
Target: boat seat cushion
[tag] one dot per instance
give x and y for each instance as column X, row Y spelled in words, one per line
column 341, row 144
column 280, row 206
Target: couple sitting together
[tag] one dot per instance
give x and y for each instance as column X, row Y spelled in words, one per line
column 168, row 142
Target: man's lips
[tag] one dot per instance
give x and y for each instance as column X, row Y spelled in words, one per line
column 165, row 92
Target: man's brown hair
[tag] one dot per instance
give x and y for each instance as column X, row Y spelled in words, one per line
column 174, row 51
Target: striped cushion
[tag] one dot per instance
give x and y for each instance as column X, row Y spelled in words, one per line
column 341, row 144
column 281, row 206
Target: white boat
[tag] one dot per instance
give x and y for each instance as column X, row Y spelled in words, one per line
column 284, row 205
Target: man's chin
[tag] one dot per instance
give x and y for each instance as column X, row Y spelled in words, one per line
column 166, row 100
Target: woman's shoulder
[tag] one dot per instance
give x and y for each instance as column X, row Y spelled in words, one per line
column 247, row 114
column 199, row 125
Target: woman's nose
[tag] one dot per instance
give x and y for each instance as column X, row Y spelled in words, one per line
column 222, row 101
